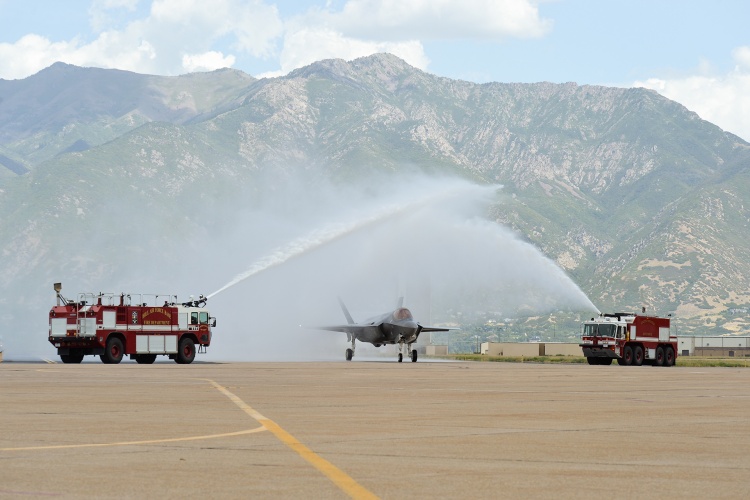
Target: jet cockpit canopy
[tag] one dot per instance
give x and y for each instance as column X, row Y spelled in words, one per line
column 402, row 313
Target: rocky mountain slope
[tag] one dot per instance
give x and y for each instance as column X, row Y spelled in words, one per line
column 637, row 198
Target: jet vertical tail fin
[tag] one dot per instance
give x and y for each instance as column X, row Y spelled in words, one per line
column 346, row 312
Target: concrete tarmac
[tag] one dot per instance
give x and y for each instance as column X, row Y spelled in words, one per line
column 373, row 429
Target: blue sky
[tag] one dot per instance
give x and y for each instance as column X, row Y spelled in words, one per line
column 695, row 52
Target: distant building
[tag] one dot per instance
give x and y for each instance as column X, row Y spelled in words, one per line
column 721, row 347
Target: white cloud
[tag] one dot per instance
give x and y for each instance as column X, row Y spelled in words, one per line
column 305, row 46
column 30, row 54
column 173, row 36
column 741, row 56
column 440, row 19
column 364, row 27
column 207, row 61
column 721, row 99
column 253, row 24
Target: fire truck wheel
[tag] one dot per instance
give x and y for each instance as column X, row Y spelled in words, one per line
column 659, row 360
column 71, row 358
column 145, row 359
column 668, row 356
column 638, row 355
column 627, row 356
column 186, row 352
column 113, row 352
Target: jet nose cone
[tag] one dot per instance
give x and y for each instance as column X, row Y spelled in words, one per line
column 407, row 328
column 412, row 325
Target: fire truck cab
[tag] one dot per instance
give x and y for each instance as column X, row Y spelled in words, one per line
column 629, row 338
column 143, row 326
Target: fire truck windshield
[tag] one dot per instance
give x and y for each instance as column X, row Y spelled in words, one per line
column 599, row 330
column 198, row 317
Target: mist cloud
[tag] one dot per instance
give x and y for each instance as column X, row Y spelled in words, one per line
column 424, row 238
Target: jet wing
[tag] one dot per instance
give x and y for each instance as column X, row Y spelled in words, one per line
column 343, row 328
column 424, row 328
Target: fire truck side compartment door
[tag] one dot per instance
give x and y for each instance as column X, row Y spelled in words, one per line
column 108, row 319
column 170, row 344
column 87, row 327
column 141, row 344
column 663, row 334
column 58, row 327
column 632, row 332
column 156, row 343
column 183, row 320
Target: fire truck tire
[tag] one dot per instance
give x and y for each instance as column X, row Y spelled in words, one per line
column 605, row 361
column 638, row 355
column 113, row 352
column 186, row 352
column 145, row 359
column 668, row 356
column 659, row 358
column 71, row 358
column 627, row 356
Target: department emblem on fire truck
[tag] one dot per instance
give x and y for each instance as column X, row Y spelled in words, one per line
column 135, row 317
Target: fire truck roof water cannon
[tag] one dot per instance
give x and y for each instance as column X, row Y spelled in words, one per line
column 143, row 326
column 631, row 339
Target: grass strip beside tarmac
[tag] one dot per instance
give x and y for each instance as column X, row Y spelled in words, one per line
column 690, row 361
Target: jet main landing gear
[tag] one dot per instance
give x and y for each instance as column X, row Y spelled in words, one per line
column 350, row 352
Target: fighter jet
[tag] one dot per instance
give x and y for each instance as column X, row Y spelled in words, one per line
column 395, row 327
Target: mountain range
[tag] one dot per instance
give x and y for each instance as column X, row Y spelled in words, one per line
column 638, row 199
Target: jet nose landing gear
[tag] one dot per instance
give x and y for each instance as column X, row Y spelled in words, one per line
column 411, row 352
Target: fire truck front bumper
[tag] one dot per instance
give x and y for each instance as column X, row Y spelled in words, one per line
column 598, row 351
column 71, row 345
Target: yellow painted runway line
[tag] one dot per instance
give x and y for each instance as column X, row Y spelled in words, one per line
column 132, row 443
column 336, row 475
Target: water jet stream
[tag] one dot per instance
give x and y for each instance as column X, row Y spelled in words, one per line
column 332, row 232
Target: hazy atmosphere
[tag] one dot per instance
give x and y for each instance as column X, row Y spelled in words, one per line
column 425, row 239
column 273, row 268
column 506, row 167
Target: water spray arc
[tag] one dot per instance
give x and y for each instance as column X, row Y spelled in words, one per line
column 332, row 232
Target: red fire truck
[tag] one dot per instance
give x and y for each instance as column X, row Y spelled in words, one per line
column 144, row 326
column 629, row 338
